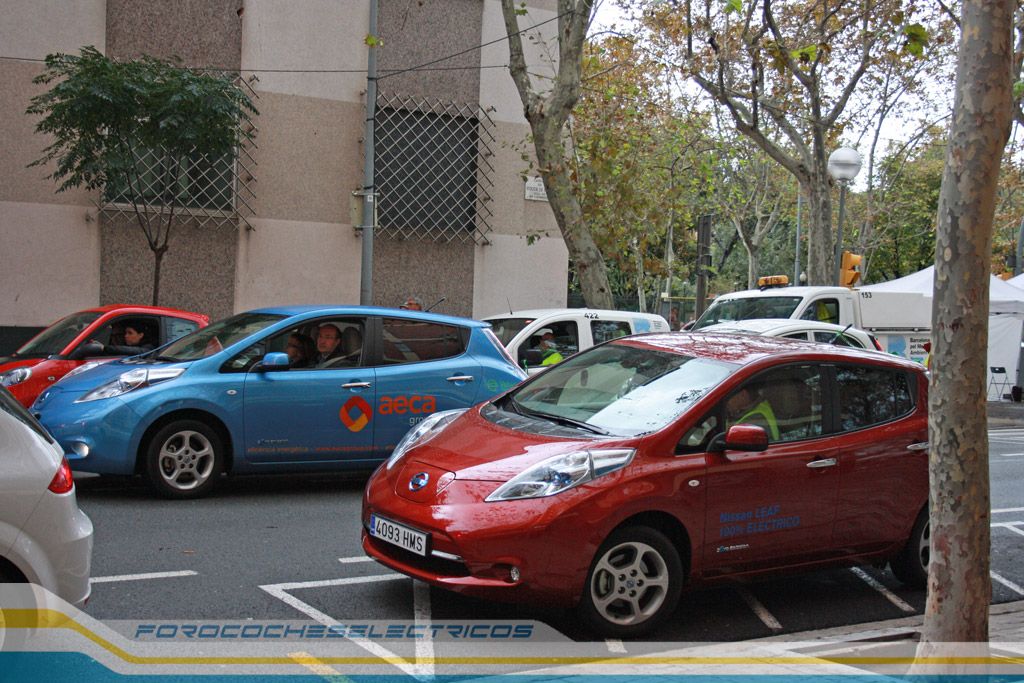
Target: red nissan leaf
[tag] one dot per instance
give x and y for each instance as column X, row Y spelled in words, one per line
column 648, row 464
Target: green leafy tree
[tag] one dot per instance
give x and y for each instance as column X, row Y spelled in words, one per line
column 637, row 167
column 786, row 72
column 107, row 118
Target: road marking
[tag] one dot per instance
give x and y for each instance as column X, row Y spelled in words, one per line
column 1009, row 455
column 615, row 645
column 888, row 594
column 142, row 577
column 1002, row 510
column 1011, row 527
column 760, row 610
column 319, row 668
column 354, row 560
column 1006, row 582
column 279, row 591
column 336, row 582
column 421, row 617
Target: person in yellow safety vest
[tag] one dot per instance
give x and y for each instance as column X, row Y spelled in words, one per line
column 752, row 411
column 549, row 352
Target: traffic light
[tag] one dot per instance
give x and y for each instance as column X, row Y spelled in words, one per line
column 848, row 273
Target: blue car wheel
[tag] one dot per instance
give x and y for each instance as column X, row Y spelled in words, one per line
column 185, row 459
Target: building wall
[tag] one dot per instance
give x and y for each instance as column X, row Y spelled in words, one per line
column 309, row 61
column 49, row 262
column 304, row 248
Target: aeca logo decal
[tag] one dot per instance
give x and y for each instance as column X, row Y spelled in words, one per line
column 356, row 413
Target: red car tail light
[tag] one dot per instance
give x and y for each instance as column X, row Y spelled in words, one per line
column 62, row 481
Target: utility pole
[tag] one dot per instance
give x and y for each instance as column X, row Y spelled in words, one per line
column 369, row 191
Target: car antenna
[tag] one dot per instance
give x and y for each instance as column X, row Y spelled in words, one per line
column 509, row 305
column 840, row 333
column 443, row 298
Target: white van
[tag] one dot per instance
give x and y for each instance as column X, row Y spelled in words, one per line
column 567, row 330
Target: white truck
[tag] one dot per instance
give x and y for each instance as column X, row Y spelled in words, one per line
column 901, row 321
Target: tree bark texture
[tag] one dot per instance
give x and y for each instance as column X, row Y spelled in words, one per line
column 959, row 587
column 547, row 114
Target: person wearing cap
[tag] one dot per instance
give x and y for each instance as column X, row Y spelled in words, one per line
column 413, row 303
column 549, row 352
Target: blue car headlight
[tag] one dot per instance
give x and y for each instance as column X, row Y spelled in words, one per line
column 423, row 432
column 131, row 380
column 562, row 473
column 15, row 376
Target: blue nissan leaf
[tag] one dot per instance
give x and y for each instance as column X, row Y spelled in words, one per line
column 285, row 389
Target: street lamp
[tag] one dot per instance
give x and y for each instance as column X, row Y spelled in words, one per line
column 843, row 165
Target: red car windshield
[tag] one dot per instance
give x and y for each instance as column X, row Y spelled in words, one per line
column 620, row 390
column 55, row 338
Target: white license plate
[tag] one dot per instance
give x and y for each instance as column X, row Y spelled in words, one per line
column 399, row 534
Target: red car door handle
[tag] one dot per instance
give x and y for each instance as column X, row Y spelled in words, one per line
column 922, row 446
column 824, row 462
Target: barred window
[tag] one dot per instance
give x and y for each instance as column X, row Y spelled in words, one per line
column 431, row 171
column 197, row 181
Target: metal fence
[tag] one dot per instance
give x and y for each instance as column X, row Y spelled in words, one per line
column 202, row 188
column 433, row 170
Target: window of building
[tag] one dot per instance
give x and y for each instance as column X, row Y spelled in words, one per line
column 432, row 172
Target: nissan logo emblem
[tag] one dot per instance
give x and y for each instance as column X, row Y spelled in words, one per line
column 418, row 481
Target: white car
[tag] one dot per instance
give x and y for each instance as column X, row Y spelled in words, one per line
column 807, row 330
column 45, row 539
column 568, row 331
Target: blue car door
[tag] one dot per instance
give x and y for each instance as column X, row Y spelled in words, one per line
column 318, row 413
column 422, row 368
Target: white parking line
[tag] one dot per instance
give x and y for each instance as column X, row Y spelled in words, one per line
column 355, row 560
column 888, row 594
column 760, row 610
column 142, row 577
column 421, row 616
column 1010, row 455
column 1010, row 526
column 1006, row 582
column 1003, row 510
column 279, row 591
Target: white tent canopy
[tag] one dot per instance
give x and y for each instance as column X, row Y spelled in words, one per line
column 1003, row 297
column 1006, row 321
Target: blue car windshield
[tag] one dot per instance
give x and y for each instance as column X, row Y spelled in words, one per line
column 216, row 337
column 619, row 390
column 57, row 336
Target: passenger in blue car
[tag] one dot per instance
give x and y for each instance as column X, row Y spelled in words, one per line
column 328, row 341
column 300, row 350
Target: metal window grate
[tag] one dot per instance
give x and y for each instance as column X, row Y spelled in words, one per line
column 433, row 170
column 205, row 190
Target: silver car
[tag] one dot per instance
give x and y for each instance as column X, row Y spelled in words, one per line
column 45, row 539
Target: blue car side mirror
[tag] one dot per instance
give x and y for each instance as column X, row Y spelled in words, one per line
column 272, row 362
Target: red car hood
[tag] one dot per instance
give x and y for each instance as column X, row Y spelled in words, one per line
column 476, row 449
column 20, row 363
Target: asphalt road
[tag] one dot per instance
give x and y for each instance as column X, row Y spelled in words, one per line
column 288, row 548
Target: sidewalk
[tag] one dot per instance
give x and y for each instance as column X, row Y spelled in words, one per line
column 1005, row 415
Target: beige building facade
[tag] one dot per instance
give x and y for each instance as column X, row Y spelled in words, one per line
column 454, row 220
